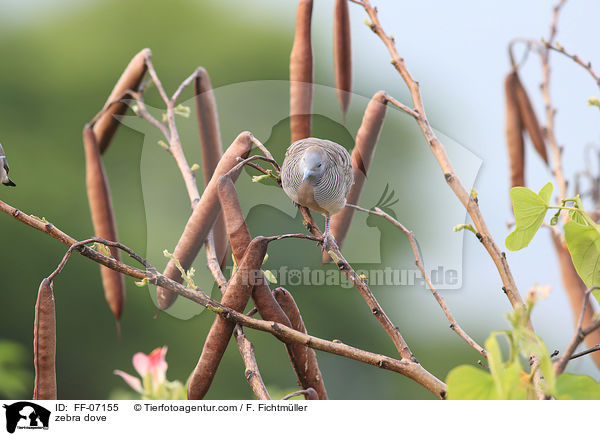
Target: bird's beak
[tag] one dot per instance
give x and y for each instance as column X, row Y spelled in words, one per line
column 307, row 174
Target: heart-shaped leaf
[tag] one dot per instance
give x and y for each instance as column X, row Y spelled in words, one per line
column 530, row 209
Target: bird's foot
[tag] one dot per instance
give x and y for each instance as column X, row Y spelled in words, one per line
column 328, row 242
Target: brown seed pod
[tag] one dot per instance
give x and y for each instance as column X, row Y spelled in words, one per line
column 529, row 119
column 44, row 344
column 514, row 131
column 212, row 148
column 301, row 74
column 307, row 358
column 268, row 308
column 362, row 155
column 203, row 218
column 235, row 224
column 107, row 124
column 236, row 297
column 342, row 54
column 103, row 220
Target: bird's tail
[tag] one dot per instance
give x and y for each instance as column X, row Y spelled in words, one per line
column 9, row 183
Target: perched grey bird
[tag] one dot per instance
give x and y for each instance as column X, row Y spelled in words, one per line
column 317, row 174
column 4, row 169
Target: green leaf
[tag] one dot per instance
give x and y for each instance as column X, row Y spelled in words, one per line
column 577, row 387
column 530, row 209
column 507, row 377
column 583, row 243
column 577, row 217
column 494, row 358
column 465, row 382
column 513, row 384
column 460, row 227
column 256, row 179
column 269, row 276
column 593, row 101
column 102, row 249
column 182, row 110
column 141, row 283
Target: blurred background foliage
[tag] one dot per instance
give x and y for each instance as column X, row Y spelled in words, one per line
column 57, row 71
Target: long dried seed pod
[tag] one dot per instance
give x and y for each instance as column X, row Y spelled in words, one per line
column 267, row 306
column 103, row 220
column 529, row 119
column 107, row 124
column 212, row 148
column 362, row 155
column 44, row 344
column 236, row 297
column 301, row 74
column 342, row 54
column 235, row 224
column 203, row 218
column 307, row 359
column 514, row 131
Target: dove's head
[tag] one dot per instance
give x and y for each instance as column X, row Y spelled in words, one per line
column 313, row 164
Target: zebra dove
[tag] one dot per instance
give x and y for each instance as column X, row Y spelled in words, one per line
column 317, row 174
column 4, row 169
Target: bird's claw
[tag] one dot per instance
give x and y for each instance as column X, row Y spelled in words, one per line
column 328, row 242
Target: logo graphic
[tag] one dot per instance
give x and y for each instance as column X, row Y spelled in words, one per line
column 403, row 180
column 26, row 415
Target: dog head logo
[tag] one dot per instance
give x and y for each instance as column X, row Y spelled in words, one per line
column 24, row 414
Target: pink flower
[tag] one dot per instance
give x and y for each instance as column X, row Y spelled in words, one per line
column 153, row 365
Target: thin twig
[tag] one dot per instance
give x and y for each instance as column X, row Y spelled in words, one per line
column 213, row 263
column 585, row 352
column 586, row 65
column 143, row 113
column 267, row 153
column 549, row 129
column 529, row 44
column 401, row 106
column 258, row 168
column 419, row 262
column 243, row 162
column 76, row 245
column 185, row 84
column 251, row 372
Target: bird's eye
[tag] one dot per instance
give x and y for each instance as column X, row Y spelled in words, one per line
column 319, row 166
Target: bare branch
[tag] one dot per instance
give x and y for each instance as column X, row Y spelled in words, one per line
column 251, row 372
column 586, row 65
